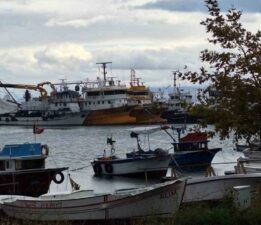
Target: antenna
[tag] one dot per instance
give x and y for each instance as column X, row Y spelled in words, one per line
column 104, row 66
column 174, row 78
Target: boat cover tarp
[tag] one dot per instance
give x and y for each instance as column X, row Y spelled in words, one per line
column 147, row 130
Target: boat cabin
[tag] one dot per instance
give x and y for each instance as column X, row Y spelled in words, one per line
column 23, row 157
column 192, row 142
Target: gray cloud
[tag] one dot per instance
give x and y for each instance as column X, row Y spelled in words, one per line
column 160, row 59
column 199, row 5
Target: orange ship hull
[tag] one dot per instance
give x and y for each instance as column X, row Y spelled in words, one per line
column 148, row 115
column 129, row 115
column 117, row 116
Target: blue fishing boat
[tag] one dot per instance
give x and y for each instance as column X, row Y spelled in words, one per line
column 23, row 172
column 191, row 152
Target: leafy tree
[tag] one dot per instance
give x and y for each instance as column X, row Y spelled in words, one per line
column 232, row 73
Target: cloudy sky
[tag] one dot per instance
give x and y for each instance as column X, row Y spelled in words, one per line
column 53, row 39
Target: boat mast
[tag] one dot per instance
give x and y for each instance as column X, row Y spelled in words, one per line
column 104, row 66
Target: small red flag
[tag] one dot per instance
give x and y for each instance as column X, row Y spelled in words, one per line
column 37, row 130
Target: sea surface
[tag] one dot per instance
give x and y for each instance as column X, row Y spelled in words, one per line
column 75, row 147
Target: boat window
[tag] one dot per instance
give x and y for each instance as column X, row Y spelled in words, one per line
column 7, row 165
column 64, row 104
column 138, row 93
column 93, row 93
column 2, row 165
column 18, row 165
column 30, row 164
column 98, row 102
column 102, row 102
column 109, row 102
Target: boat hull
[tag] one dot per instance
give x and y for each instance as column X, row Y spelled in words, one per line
column 134, row 167
column 161, row 200
column 173, row 116
column 70, row 119
column 217, row 187
column 193, row 160
column 148, row 115
column 114, row 116
column 34, row 182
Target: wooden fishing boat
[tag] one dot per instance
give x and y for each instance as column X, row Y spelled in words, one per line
column 23, row 172
column 217, row 187
column 159, row 200
column 135, row 164
column 192, row 153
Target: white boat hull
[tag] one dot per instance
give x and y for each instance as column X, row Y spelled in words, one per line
column 70, row 119
column 161, row 200
column 151, row 166
column 217, row 187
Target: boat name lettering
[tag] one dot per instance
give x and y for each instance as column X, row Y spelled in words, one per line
column 50, row 205
column 168, row 194
column 29, row 204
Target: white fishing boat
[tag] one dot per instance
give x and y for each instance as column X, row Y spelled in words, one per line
column 135, row 164
column 217, row 187
column 159, row 200
column 61, row 108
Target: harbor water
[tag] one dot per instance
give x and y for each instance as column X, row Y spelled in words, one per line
column 75, row 147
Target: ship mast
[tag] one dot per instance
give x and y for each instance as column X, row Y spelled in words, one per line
column 175, row 81
column 104, row 66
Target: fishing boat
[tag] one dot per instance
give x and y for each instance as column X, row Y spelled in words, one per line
column 192, row 153
column 213, row 188
column 159, row 200
column 61, row 108
column 178, row 102
column 106, row 101
column 110, row 102
column 23, row 172
column 135, row 164
column 145, row 111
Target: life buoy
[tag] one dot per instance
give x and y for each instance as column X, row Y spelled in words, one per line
column 97, row 169
column 58, row 181
column 108, row 168
column 45, row 149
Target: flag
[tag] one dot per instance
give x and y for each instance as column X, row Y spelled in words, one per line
column 37, row 130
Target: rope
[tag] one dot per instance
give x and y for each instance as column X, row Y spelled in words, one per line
column 80, row 168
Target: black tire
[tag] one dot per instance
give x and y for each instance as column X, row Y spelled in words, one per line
column 58, row 181
column 97, row 169
column 108, row 168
